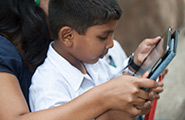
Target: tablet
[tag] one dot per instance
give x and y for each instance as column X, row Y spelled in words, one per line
column 160, row 56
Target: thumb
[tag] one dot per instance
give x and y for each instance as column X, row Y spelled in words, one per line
column 145, row 75
column 154, row 41
column 134, row 111
column 147, row 83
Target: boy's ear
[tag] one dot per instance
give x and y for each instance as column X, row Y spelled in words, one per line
column 66, row 36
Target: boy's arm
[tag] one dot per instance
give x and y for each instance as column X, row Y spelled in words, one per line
column 115, row 115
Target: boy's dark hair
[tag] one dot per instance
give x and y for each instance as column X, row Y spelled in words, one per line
column 81, row 14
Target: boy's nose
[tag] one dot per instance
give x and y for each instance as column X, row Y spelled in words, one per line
column 110, row 43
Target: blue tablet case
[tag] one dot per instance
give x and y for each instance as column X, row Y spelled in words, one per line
column 171, row 54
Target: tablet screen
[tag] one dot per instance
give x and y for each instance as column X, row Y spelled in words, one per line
column 160, row 50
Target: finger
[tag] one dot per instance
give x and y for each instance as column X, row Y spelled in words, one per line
column 160, row 84
column 157, row 96
column 153, row 41
column 134, row 111
column 147, row 105
column 139, row 102
column 145, row 75
column 165, row 71
column 140, row 107
column 158, row 90
column 146, row 83
column 151, row 96
column 142, row 94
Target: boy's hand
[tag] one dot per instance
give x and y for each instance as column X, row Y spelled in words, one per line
column 144, row 49
column 153, row 94
column 125, row 93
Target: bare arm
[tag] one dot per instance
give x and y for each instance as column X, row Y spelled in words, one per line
column 115, row 115
column 14, row 107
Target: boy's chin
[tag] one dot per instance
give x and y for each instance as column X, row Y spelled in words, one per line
column 93, row 61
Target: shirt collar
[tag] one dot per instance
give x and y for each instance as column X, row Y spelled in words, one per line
column 69, row 72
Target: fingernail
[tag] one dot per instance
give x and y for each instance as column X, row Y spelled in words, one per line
column 158, row 36
column 145, row 75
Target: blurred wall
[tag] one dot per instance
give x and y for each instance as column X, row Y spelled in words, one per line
column 147, row 19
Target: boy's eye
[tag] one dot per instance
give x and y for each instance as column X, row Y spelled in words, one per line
column 102, row 38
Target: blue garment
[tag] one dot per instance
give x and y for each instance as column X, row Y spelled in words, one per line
column 140, row 118
column 11, row 61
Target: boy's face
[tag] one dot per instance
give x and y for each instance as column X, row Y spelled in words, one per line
column 95, row 43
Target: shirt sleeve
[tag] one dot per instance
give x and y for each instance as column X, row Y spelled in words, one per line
column 10, row 59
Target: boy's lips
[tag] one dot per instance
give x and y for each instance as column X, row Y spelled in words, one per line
column 101, row 56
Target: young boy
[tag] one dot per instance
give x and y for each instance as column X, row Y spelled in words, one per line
column 83, row 32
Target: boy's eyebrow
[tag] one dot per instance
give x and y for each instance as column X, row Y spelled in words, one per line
column 108, row 31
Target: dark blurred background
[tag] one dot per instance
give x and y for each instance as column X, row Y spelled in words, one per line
column 147, row 19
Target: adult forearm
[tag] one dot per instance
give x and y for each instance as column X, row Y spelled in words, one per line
column 85, row 107
column 115, row 115
column 13, row 105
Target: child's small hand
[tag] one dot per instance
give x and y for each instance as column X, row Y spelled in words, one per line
column 145, row 108
column 153, row 94
column 144, row 49
column 128, row 93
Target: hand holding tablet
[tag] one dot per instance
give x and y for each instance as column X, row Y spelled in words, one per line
column 160, row 56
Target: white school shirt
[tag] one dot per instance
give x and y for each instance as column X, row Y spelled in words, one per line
column 56, row 81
